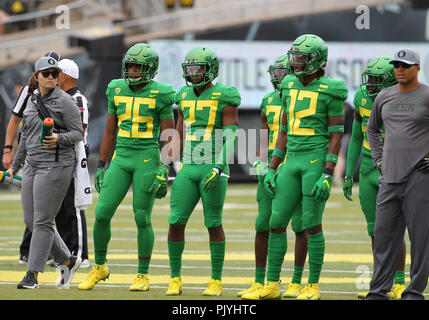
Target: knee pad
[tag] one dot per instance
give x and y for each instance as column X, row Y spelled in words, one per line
column 142, row 218
column 277, row 221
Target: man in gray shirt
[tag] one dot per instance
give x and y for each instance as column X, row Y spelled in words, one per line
column 403, row 162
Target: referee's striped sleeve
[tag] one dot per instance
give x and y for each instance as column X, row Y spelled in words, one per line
column 21, row 101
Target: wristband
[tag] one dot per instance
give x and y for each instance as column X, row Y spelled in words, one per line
column 279, row 153
column 328, row 171
column 8, row 147
column 336, row 129
column 331, row 157
column 101, row 164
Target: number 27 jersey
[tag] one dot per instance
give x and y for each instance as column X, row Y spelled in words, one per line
column 140, row 112
column 202, row 117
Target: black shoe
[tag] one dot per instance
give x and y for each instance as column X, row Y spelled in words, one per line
column 29, row 281
column 23, row 259
column 67, row 272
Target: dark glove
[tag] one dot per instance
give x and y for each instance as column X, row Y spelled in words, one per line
column 423, row 165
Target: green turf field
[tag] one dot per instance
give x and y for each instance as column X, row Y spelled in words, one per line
column 347, row 268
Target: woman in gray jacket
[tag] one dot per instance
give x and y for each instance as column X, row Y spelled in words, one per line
column 47, row 172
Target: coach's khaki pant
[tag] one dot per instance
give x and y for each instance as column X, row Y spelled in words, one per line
column 42, row 192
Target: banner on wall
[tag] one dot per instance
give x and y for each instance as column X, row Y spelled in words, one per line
column 244, row 64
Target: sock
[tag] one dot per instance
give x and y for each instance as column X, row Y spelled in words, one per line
column 217, row 253
column 399, row 277
column 316, row 253
column 101, row 235
column 175, row 250
column 297, row 274
column 145, row 240
column 260, row 275
column 277, row 247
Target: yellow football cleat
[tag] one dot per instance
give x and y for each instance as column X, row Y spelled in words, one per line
column 175, row 287
column 214, row 289
column 292, row 290
column 362, row 295
column 397, row 291
column 255, row 286
column 140, row 283
column 311, row 292
column 98, row 273
column 271, row 291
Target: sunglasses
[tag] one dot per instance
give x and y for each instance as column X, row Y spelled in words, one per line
column 404, row 65
column 47, row 73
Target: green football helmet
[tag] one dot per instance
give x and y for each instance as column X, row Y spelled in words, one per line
column 307, row 55
column 378, row 75
column 200, row 62
column 144, row 55
column 278, row 70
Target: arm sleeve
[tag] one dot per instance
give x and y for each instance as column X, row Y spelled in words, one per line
column 73, row 123
column 355, row 148
column 373, row 130
column 20, row 102
column 230, row 142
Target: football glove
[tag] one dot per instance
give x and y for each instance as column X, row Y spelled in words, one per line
column 270, row 182
column 211, row 180
column 98, row 179
column 322, row 189
column 260, row 169
column 347, row 188
column 159, row 184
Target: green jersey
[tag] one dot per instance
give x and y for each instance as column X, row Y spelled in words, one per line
column 202, row 118
column 271, row 106
column 363, row 106
column 308, row 108
column 140, row 112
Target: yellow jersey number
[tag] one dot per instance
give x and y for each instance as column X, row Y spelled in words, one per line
column 273, row 125
column 296, row 116
column 198, row 106
column 132, row 110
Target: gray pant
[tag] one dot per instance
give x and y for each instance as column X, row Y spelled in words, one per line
column 400, row 206
column 42, row 192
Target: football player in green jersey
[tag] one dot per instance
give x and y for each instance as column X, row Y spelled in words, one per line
column 207, row 125
column 271, row 108
column 378, row 75
column 310, row 138
column 138, row 109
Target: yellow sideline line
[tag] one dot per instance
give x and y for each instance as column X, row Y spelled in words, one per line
column 329, row 257
column 50, row 277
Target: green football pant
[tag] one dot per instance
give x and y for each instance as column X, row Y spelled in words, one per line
column 187, row 190
column 368, row 190
column 139, row 168
column 264, row 200
column 294, row 184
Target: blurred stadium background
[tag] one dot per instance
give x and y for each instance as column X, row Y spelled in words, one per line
column 247, row 35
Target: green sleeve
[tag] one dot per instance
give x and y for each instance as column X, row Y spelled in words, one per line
column 230, row 142
column 166, row 111
column 231, row 97
column 355, row 148
column 111, row 108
